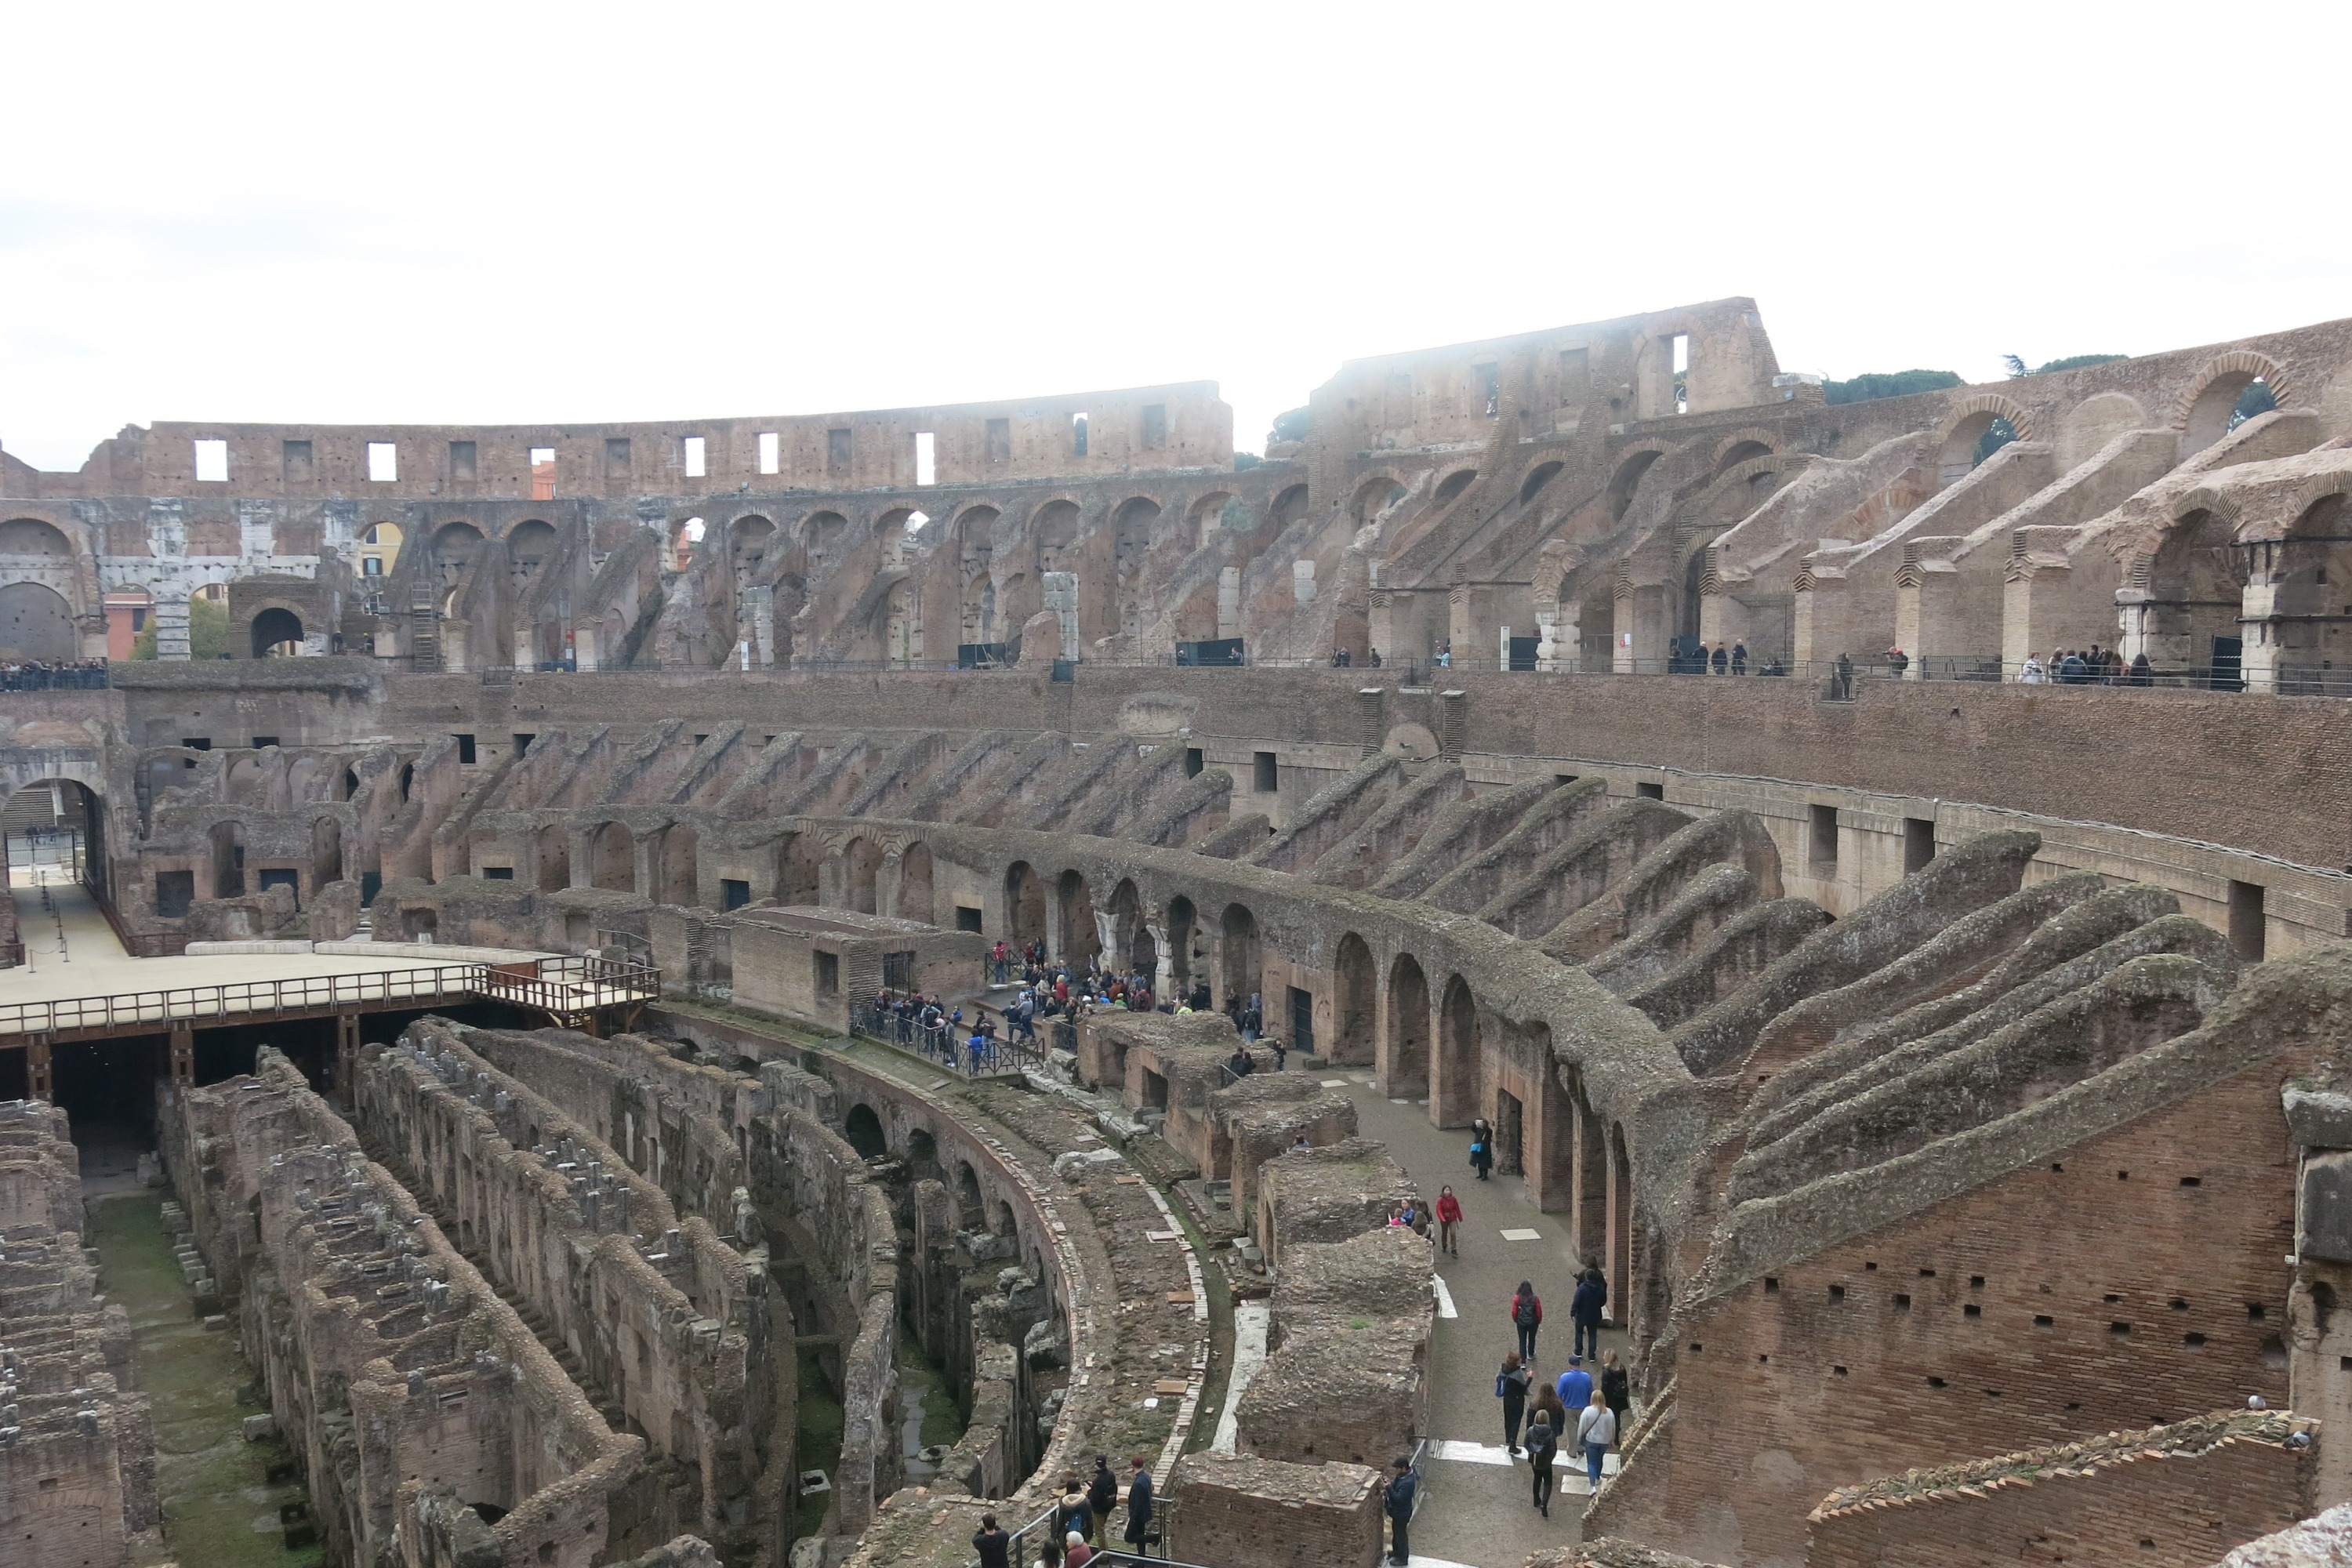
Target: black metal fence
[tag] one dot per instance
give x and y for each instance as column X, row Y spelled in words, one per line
column 35, row 675
column 975, row 1056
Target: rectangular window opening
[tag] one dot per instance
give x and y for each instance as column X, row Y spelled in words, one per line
column 461, row 459
column 498, row 873
column 1265, row 772
column 1650, row 791
column 263, row 741
column 296, row 456
column 734, row 892
column 1919, row 842
column 543, row 473
column 828, row 974
column 2247, row 934
column 927, row 470
column 1155, row 426
column 1193, row 762
column 465, row 748
column 616, row 457
column 1682, row 360
column 382, row 463
column 1822, row 842
column 1575, row 377
column 838, row 451
column 1078, row 435
column 522, row 745
column 772, row 452
column 967, row 917
column 212, row 462
column 697, row 457
column 1000, row 441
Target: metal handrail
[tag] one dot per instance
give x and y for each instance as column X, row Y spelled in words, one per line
column 875, row 1022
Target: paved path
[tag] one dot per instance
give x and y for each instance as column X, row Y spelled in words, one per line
column 1477, row 1508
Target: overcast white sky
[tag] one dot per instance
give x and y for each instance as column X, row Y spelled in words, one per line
column 481, row 214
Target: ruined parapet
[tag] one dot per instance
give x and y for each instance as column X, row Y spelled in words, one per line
column 1266, row 1114
column 1326, row 1194
column 1243, row 1510
column 2174, row 1494
column 1346, row 1374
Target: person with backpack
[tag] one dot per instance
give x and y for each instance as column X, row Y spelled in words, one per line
column 1073, row 1515
column 1543, row 1448
column 1588, row 1308
column 1526, row 1316
column 1511, row 1388
column 1102, row 1496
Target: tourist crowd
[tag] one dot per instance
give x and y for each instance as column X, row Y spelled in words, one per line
column 35, row 675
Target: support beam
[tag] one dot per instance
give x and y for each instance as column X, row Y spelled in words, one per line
column 183, row 1054
column 347, row 1060
column 40, row 1075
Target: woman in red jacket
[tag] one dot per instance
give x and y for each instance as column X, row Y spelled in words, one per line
column 1526, row 1316
column 1449, row 1215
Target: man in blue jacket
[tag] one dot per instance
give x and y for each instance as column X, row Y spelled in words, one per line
column 1575, row 1386
column 1139, row 1506
column 1398, row 1503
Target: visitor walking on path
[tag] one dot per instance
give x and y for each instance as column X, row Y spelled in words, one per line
column 1614, row 1389
column 1596, row 1429
column 1575, row 1386
column 1526, row 1316
column 1102, row 1496
column 1548, row 1401
column 1482, row 1147
column 1449, row 1215
column 1587, row 1309
column 1511, row 1388
column 1139, row 1506
column 1398, row 1503
column 1543, row 1447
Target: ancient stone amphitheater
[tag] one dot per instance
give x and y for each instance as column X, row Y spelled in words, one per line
column 470, row 1013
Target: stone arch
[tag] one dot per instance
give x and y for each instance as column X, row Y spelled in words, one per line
column 275, row 630
column 455, row 546
column 1408, row 1029
column 1025, row 903
column 862, row 1126
column 1205, row 518
column 612, row 858
column 35, row 622
column 1539, row 476
column 1131, row 943
column 1747, row 442
column 971, row 1206
column 1240, row 952
column 1632, row 467
column 1451, row 488
column 861, row 861
column 748, row 538
column 2202, row 414
column 530, row 545
column 1075, row 903
column 915, row 883
column 1355, row 1004
column 2093, row 423
column 1184, row 924
column 2307, row 568
column 1453, row 1096
column 1964, row 427
column 1132, row 522
column 821, row 536
column 32, row 536
column 2195, row 592
column 1375, row 493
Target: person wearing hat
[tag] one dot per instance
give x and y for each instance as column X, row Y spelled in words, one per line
column 1575, row 1386
column 1102, row 1496
column 1397, row 1504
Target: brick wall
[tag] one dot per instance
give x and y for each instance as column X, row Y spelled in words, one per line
column 1239, row 1511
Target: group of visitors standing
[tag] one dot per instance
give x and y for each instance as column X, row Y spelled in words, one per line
column 1077, row 1525
column 2094, row 666
column 37, row 675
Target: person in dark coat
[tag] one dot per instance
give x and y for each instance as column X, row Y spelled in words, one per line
column 1511, row 1388
column 2142, row 673
column 1397, row 1502
column 1587, row 1311
column 1526, row 1316
column 1139, row 1505
column 1102, row 1496
column 1739, row 658
column 1482, row 1147
column 1543, row 1447
column 1616, row 1391
column 992, row 1545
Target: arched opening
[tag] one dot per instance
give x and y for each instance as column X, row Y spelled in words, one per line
column 822, row 535
column 1005, row 1223
column 915, row 884
column 2311, row 571
column 860, row 863
column 277, row 634
column 1625, row 481
column 1738, row 453
column 971, row 1207
column 747, row 539
column 530, row 545
column 1025, row 903
column 1453, row 1099
column 325, row 851
column 1183, row 931
column 1537, row 476
column 2224, row 403
column 454, row 548
column 34, row 624
column 1126, row 925
column 1452, row 485
column 31, row 536
column 228, row 842
column 1373, row 497
column 923, row 1154
column 1131, row 527
column 350, row 785
column 1207, row 517
column 1080, row 941
column 55, row 832
column 1355, row 1003
column 862, row 1128
column 1970, row 442
column 612, row 858
column 554, row 857
column 1688, row 606
column 1408, row 1076
column 1239, row 953
column 2195, row 596
column 678, row 882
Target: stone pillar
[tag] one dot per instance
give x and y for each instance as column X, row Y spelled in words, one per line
column 1229, row 602
column 1062, row 598
column 453, row 646
column 40, row 1080
column 172, row 628
column 583, row 648
column 2264, row 645
column 762, row 604
column 1163, row 979
column 184, row 1053
column 1382, row 630
column 347, row 1060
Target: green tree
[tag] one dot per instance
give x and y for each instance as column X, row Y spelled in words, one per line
column 2256, row 399
column 1888, row 383
column 1245, row 460
column 1288, row 426
column 2076, row 362
column 2014, row 365
column 207, row 631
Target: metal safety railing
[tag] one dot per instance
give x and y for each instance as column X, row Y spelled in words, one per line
column 975, row 1056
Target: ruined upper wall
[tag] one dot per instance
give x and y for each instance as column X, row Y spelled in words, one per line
column 1180, row 425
